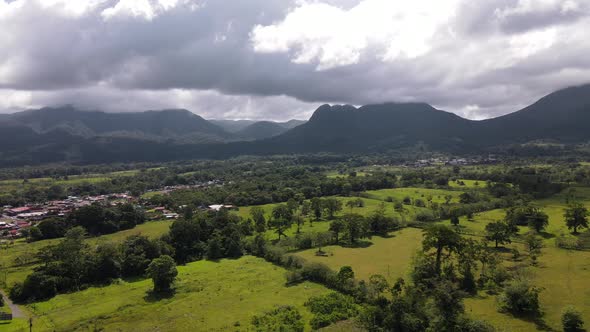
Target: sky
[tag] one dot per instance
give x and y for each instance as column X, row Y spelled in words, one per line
column 281, row 59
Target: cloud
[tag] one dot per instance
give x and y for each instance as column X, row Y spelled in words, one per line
column 280, row 59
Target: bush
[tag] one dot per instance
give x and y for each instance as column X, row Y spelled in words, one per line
column 163, row 272
column 521, row 299
column 425, row 216
column 285, row 318
column 571, row 320
column 331, row 308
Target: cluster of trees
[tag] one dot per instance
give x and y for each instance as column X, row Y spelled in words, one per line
column 73, row 264
column 96, row 219
column 211, row 235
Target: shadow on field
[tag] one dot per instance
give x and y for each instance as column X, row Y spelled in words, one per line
column 152, row 296
column 546, row 235
column 358, row 244
column 538, row 321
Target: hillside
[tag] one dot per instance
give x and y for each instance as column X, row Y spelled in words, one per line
column 254, row 130
column 65, row 134
column 179, row 125
column 261, row 129
column 561, row 116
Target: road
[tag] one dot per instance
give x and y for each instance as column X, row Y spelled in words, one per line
column 16, row 312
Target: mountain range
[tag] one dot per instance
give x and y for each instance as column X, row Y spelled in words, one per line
column 67, row 134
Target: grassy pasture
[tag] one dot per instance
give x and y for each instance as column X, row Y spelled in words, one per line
column 563, row 274
column 210, row 296
column 8, row 253
column 438, row 195
column 15, row 184
column 390, row 257
column 468, row 184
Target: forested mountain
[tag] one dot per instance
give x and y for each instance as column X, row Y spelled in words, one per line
column 178, row 125
column 232, row 126
column 65, row 134
column 262, row 129
column 253, row 130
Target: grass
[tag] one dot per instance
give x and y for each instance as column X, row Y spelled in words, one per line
column 210, row 296
column 15, row 325
column 14, row 273
column 390, row 257
column 16, row 184
column 563, row 274
column 438, row 195
column 468, row 184
column 335, row 174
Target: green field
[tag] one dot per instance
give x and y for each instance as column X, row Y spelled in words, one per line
column 390, row 257
column 210, row 296
column 398, row 194
column 467, row 184
column 9, row 185
column 10, row 252
column 563, row 274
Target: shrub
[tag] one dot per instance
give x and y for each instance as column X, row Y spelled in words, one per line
column 331, row 308
column 163, row 272
column 571, row 320
column 425, row 216
column 285, row 318
column 521, row 299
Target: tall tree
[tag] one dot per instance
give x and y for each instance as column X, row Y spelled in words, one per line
column 336, row 227
column 440, row 237
column 499, row 232
column 317, row 207
column 576, row 216
column 257, row 215
column 163, row 271
column 355, row 227
column 332, row 205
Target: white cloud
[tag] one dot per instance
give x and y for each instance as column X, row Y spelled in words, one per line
column 273, row 59
column 333, row 36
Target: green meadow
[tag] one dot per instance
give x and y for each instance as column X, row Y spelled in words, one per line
column 398, row 194
column 210, row 296
column 24, row 251
column 389, row 256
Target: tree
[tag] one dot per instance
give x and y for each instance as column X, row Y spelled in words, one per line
column 282, row 219
column 499, row 232
column 163, row 271
column 345, row 275
column 440, row 237
column 379, row 222
column 214, row 249
column 185, row 236
column 306, row 209
column 332, row 205
column 257, row 215
column 52, row 228
column 317, row 207
column 571, row 320
column 467, row 198
column 576, row 216
column 355, row 227
column 520, row 299
column 336, row 227
column 538, row 220
column 455, row 220
column 534, row 244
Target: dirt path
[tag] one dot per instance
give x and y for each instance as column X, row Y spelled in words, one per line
column 16, row 312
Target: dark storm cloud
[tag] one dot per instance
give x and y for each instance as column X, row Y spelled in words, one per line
column 280, row 59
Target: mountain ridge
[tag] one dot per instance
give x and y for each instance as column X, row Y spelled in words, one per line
column 558, row 117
